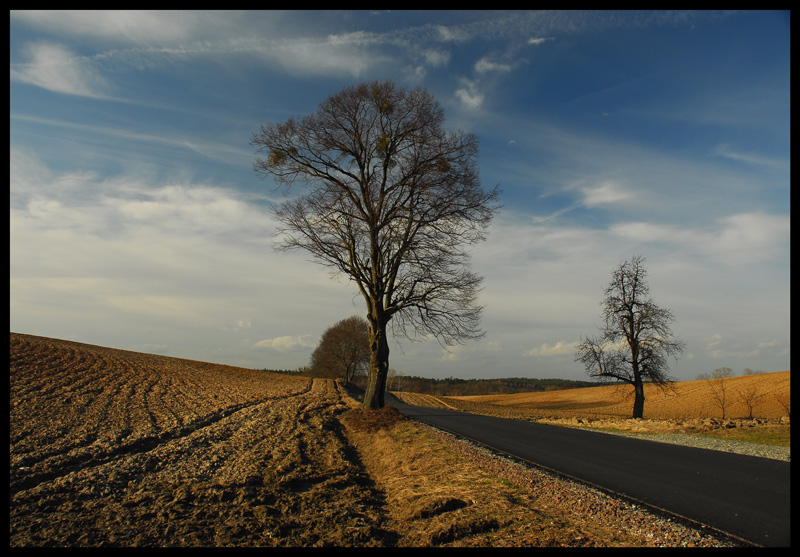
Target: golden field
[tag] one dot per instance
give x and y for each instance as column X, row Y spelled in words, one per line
column 768, row 393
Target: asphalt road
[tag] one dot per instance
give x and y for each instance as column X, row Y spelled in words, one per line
column 744, row 496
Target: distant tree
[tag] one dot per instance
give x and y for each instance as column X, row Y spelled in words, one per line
column 393, row 201
column 304, row 371
column 750, row 396
column 636, row 337
column 343, row 350
column 785, row 402
column 719, row 387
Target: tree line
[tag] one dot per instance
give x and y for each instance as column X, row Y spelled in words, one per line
column 453, row 386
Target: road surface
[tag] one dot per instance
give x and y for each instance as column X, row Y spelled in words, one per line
column 744, row 496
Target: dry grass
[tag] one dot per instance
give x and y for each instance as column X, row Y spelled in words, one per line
column 436, row 498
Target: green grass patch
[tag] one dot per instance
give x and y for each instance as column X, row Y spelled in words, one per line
column 779, row 436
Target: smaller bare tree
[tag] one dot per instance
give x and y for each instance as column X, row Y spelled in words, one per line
column 636, row 339
column 343, row 350
column 785, row 402
column 719, row 387
column 750, row 396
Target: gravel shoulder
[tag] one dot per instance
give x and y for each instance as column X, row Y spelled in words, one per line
column 705, row 442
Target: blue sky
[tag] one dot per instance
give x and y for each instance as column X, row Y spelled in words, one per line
column 137, row 222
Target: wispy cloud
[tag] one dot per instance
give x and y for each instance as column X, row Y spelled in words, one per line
column 607, row 191
column 485, row 65
column 737, row 240
column 54, row 67
column 217, row 151
column 469, row 95
column 719, row 348
column 138, row 27
column 560, row 348
column 726, row 151
column 287, row 343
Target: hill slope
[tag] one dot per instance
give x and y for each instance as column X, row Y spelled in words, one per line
column 769, row 393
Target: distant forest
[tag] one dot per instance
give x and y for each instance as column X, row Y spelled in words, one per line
column 452, row 386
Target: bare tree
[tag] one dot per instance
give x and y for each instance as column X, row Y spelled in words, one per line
column 750, row 396
column 719, row 387
column 636, row 338
column 392, row 202
column 343, row 350
column 785, row 402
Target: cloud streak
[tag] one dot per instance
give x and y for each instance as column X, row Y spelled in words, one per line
column 53, row 67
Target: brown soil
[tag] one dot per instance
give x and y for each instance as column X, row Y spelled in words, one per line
column 118, row 448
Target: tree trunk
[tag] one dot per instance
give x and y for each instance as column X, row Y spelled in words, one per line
column 378, row 366
column 638, row 400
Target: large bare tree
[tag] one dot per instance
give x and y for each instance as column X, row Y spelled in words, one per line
column 391, row 200
column 636, row 337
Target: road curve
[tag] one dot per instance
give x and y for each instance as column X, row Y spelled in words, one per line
column 743, row 496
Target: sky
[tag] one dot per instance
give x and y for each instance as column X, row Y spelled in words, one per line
column 137, row 221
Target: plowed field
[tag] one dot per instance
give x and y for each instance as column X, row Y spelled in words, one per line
column 120, row 448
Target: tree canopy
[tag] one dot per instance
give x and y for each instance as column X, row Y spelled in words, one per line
column 343, row 350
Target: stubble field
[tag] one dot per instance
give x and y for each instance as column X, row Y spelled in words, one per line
column 117, row 448
column 761, row 400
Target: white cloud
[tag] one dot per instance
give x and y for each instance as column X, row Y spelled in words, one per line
column 143, row 262
column 725, row 150
column 287, row 343
column 55, row 68
column 145, row 37
column 435, row 57
column 238, row 325
column 741, row 239
column 751, row 237
column 128, row 26
column 607, row 191
column 485, row 65
column 558, row 349
column 718, row 348
column 214, row 150
column 469, row 96
column 453, row 33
